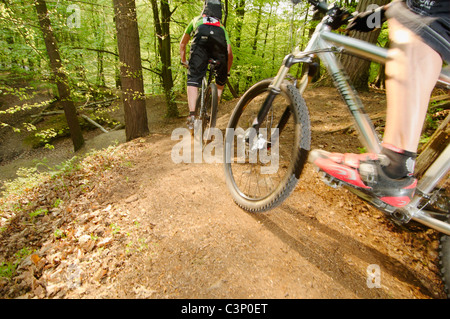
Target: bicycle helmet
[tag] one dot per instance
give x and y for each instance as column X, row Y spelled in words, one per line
column 213, row 8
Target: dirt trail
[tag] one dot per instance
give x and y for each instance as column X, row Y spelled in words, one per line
column 166, row 230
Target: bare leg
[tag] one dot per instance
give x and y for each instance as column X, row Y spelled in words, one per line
column 219, row 91
column 412, row 72
column 192, row 93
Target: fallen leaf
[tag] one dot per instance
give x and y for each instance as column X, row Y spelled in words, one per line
column 35, row 259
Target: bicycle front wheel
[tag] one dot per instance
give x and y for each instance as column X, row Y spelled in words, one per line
column 444, row 256
column 263, row 167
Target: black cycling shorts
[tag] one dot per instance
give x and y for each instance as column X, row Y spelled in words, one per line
column 432, row 27
column 209, row 42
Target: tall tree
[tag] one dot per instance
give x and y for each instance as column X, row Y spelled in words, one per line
column 255, row 39
column 62, row 81
column 240, row 12
column 225, row 13
column 136, row 123
column 357, row 68
column 162, row 27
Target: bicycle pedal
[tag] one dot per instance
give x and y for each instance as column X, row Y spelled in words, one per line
column 398, row 215
column 330, row 180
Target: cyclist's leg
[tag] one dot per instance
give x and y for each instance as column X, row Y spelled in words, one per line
column 192, row 93
column 219, row 52
column 410, row 81
column 221, row 77
column 219, row 91
column 222, row 74
column 198, row 63
column 419, row 42
column 412, row 72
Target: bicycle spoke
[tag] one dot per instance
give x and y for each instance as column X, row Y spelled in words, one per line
column 253, row 182
column 264, row 159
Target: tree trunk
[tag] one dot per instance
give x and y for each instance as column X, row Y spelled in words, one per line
column 267, row 31
column 162, row 26
column 62, row 82
column 240, row 12
column 255, row 41
column 116, row 64
column 136, row 124
column 434, row 147
column 380, row 79
column 225, row 18
column 317, row 17
column 357, row 68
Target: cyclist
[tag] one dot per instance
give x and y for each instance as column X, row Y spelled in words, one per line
column 210, row 40
column 420, row 41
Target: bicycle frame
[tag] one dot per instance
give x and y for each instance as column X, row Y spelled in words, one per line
column 325, row 44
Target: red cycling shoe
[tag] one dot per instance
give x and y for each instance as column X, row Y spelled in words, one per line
column 364, row 171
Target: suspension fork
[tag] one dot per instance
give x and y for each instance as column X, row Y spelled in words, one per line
column 275, row 89
column 312, row 70
column 264, row 110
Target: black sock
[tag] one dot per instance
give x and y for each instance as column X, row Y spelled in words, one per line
column 401, row 162
column 192, row 113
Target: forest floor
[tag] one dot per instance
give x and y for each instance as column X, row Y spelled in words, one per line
column 130, row 223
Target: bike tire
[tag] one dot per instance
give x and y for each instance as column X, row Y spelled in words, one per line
column 444, row 255
column 198, row 102
column 211, row 101
column 295, row 138
column 208, row 119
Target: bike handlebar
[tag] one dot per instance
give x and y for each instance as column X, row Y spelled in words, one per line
column 321, row 5
column 337, row 15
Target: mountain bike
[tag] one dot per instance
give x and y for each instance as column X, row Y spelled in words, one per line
column 273, row 118
column 206, row 105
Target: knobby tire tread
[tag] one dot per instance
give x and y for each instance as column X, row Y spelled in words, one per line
column 214, row 104
column 302, row 116
column 444, row 256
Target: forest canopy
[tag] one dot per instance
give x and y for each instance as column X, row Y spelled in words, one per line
column 262, row 32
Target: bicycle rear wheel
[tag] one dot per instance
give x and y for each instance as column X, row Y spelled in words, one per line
column 262, row 171
column 211, row 102
column 208, row 113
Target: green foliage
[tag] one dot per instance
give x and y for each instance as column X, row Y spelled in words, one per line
column 59, row 234
column 8, row 269
column 54, row 127
column 89, row 57
column 262, row 32
column 27, row 178
column 36, row 213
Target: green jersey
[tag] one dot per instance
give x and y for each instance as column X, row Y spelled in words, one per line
column 200, row 20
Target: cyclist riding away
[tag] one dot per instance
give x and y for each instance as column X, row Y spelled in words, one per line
column 210, row 41
column 420, row 41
